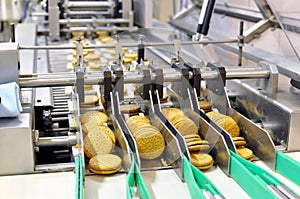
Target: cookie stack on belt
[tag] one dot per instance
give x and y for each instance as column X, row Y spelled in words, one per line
column 205, row 105
column 105, row 164
column 99, row 140
column 189, row 130
column 229, row 125
column 150, row 141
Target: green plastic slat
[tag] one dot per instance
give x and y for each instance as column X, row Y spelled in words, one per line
column 288, row 167
column 134, row 177
column 130, row 181
column 202, row 180
column 76, row 177
column 81, row 177
column 142, row 189
column 188, row 176
column 254, row 186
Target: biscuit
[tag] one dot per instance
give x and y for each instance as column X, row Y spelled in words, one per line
column 198, row 142
column 105, row 164
column 131, row 56
column 238, row 139
column 206, row 167
column 196, row 148
column 239, row 143
column 96, row 116
column 245, row 153
column 191, row 136
column 136, row 118
column 102, row 33
column 129, row 108
column 192, row 140
column 205, row 105
column 150, row 144
column 77, row 34
column 164, row 98
column 170, row 113
column 185, row 125
column 226, row 122
column 92, row 57
column 97, row 142
column 201, row 160
column 90, row 100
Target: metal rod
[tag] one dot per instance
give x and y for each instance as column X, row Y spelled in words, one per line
column 88, row 12
column 59, row 113
column 241, row 43
column 88, row 4
column 59, row 119
column 56, row 141
column 93, row 21
column 21, row 47
column 12, row 32
column 133, row 77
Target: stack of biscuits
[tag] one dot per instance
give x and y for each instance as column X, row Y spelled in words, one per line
column 130, row 109
column 99, row 142
column 229, row 125
column 197, row 147
column 205, row 105
column 150, row 142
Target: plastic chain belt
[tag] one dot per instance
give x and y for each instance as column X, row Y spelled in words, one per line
column 263, row 184
column 199, row 185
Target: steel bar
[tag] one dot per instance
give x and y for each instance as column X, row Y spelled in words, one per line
column 94, row 21
column 21, row 47
column 129, row 77
column 56, row 141
column 89, row 4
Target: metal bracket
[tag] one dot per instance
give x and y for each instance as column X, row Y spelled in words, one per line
column 270, row 84
column 119, row 83
column 146, row 83
column 54, row 20
column 118, row 49
column 107, row 84
column 177, row 48
column 80, row 85
column 195, row 82
column 182, row 86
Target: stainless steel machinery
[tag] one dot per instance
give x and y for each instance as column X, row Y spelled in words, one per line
column 47, row 136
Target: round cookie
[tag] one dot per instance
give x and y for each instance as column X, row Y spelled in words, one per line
column 201, row 160
column 129, row 108
column 191, row 136
column 93, row 126
column 105, row 164
column 131, row 56
column 136, row 118
column 164, row 98
column 245, row 153
column 189, row 140
column 90, row 100
column 185, row 125
column 206, row 167
column 92, row 57
column 226, row 122
column 205, row 105
column 97, row 142
column 196, row 148
column 96, row 116
column 150, row 144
